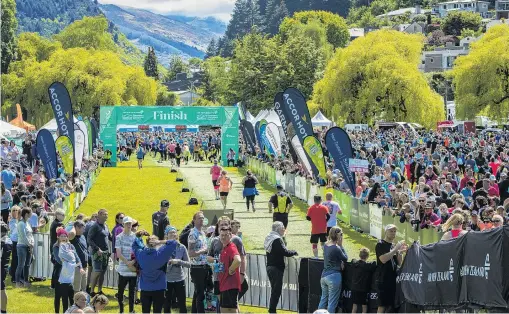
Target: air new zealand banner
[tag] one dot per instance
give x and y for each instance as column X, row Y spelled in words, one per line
column 62, row 108
column 47, row 152
column 79, row 147
column 248, row 134
column 264, row 140
column 66, row 151
column 257, row 134
column 272, row 134
column 279, row 108
column 89, row 139
column 465, row 271
column 296, row 112
column 340, row 148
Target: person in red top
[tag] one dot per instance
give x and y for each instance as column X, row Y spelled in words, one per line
column 318, row 214
column 229, row 275
column 469, row 176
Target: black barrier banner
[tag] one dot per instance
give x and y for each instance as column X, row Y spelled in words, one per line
column 463, row 271
column 257, row 135
column 364, row 222
column 289, row 296
column 340, row 148
column 47, row 152
column 482, row 269
column 62, row 108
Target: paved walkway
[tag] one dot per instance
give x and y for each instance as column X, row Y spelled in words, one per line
column 254, row 226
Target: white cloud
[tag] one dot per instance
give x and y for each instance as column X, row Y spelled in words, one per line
column 220, row 9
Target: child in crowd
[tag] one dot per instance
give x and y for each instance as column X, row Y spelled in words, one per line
column 361, row 282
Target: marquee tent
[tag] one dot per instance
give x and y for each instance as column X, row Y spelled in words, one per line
column 11, row 131
column 319, row 120
column 249, row 117
column 52, row 125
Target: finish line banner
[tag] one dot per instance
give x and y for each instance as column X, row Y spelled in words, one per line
column 225, row 117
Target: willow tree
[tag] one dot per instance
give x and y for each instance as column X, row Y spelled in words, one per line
column 481, row 78
column 377, row 78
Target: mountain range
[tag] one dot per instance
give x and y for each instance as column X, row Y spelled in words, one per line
column 168, row 34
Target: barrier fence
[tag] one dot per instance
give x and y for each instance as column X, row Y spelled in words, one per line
column 367, row 218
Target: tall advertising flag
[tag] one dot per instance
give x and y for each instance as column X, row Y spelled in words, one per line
column 265, row 144
column 62, row 108
column 83, row 127
column 79, row 147
column 339, row 146
column 296, row 111
column 274, row 139
column 47, row 152
column 278, row 108
column 66, row 151
column 89, row 134
column 95, row 133
column 248, row 133
column 313, row 148
column 257, row 134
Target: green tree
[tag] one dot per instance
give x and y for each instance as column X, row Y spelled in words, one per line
column 275, row 14
column 177, row 65
column 456, row 21
column 216, row 78
column 33, row 46
column 165, row 98
column 376, row 78
column 335, row 26
column 150, row 64
column 481, row 78
column 379, row 7
column 195, row 64
column 9, row 25
column 91, row 32
column 211, row 49
column 362, row 17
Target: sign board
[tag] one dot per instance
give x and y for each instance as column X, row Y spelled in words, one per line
column 358, row 165
column 143, row 127
column 180, row 127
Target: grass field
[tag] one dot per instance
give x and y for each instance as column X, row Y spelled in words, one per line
column 138, row 193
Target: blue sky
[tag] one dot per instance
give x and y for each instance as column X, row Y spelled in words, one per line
column 220, row 9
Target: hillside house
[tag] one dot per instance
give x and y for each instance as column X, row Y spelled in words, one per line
column 443, row 8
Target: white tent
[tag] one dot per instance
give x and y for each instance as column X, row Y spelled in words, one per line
column 319, row 120
column 52, row 125
column 249, row 117
column 10, row 131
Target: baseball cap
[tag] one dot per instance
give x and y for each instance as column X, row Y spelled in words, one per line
column 279, row 187
column 170, row 228
column 165, row 203
column 493, row 178
column 390, row 226
column 127, row 219
column 211, row 229
column 474, row 213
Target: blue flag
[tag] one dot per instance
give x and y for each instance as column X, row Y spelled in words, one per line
column 47, row 152
column 339, row 146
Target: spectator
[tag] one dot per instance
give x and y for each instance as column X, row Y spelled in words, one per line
column 117, row 229
column 126, row 269
column 335, row 257
column 97, row 239
column 80, row 302
column 78, row 240
column 24, row 248
column 276, row 252
column 160, row 220
column 198, row 253
column 6, row 202
column 362, row 272
column 229, row 274
column 151, row 258
column 176, row 274
column 456, row 222
column 6, row 249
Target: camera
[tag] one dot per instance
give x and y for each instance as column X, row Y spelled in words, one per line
column 415, row 224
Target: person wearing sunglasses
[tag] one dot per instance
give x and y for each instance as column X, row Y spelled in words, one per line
column 497, row 221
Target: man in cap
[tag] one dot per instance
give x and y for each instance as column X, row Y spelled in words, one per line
column 474, row 221
column 281, row 203
column 160, row 220
column 388, row 258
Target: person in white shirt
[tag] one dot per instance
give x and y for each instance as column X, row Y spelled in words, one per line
column 334, row 210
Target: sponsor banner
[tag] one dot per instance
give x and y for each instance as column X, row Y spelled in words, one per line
column 358, row 165
column 79, row 147
column 345, row 203
column 314, row 150
column 364, row 217
column 375, row 221
column 89, row 137
column 95, row 133
column 290, row 183
column 298, row 114
column 248, row 134
column 354, row 213
column 47, row 153
column 339, row 146
column 313, row 190
column 279, row 109
column 301, row 154
column 62, row 108
column 65, row 150
column 274, row 138
column 83, row 127
column 280, row 179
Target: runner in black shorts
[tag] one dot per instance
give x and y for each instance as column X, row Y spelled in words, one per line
column 315, row 237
